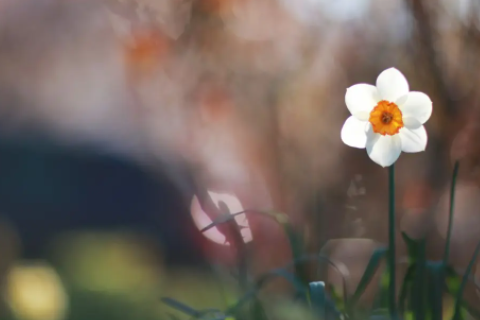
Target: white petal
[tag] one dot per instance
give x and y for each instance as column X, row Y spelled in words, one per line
column 361, row 99
column 383, row 150
column 411, row 123
column 353, row 133
column 392, row 85
column 413, row 140
column 418, row 105
column 401, row 100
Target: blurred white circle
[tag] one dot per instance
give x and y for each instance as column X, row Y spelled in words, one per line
column 340, row 10
column 202, row 220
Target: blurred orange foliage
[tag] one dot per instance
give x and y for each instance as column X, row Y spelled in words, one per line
column 145, row 50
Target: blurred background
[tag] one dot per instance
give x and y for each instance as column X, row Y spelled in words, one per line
column 126, row 126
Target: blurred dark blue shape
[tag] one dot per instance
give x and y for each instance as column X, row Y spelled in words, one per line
column 48, row 188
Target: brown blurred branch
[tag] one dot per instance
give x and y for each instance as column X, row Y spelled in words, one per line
column 447, row 111
column 429, row 55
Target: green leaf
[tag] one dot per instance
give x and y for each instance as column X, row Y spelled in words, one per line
column 282, row 273
column 294, row 238
column 419, row 286
column 458, row 298
column 380, row 313
column 381, row 300
column 181, row 307
column 415, row 279
column 474, row 312
column 338, row 300
column 301, row 289
column 172, row 316
column 405, row 288
column 408, row 316
column 321, row 258
column 436, row 280
column 296, row 245
column 453, row 284
column 261, row 282
column 367, row 276
column 414, row 247
column 453, row 280
column 320, row 303
column 414, row 284
column 210, row 314
column 318, row 298
column 258, row 311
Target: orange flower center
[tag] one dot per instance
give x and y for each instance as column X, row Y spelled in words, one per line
column 386, row 118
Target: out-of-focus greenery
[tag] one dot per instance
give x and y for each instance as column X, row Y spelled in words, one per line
column 427, row 287
column 106, row 276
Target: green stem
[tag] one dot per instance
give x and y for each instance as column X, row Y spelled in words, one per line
column 391, row 241
column 450, row 215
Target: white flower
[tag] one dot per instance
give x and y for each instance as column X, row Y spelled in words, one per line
column 386, row 119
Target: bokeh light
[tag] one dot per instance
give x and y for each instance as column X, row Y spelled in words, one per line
column 35, row 292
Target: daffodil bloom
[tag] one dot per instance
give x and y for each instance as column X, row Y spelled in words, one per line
column 387, row 118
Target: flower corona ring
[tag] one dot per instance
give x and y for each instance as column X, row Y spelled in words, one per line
column 386, row 119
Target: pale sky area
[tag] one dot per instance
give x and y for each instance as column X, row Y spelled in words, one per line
column 339, row 10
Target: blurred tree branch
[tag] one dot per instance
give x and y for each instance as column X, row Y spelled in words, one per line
column 447, row 109
column 429, row 55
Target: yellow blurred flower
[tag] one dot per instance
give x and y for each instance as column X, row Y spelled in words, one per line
column 35, row 292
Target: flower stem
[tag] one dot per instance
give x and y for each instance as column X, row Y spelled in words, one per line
column 391, row 241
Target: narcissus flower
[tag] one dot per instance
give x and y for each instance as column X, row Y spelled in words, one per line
column 387, row 118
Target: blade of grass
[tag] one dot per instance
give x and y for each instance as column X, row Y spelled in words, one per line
column 296, row 245
column 181, row 307
column 450, row 214
column 337, row 299
column 284, row 273
column 474, row 312
column 406, row 285
column 172, row 316
column 458, row 298
column 258, row 311
column 452, row 273
column 453, row 282
column 322, row 258
column 225, row 218
column 382, row 299
column 261, row 282
column 294, row 239
column 210, row 313
column 367, row 276
column 236, row 240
